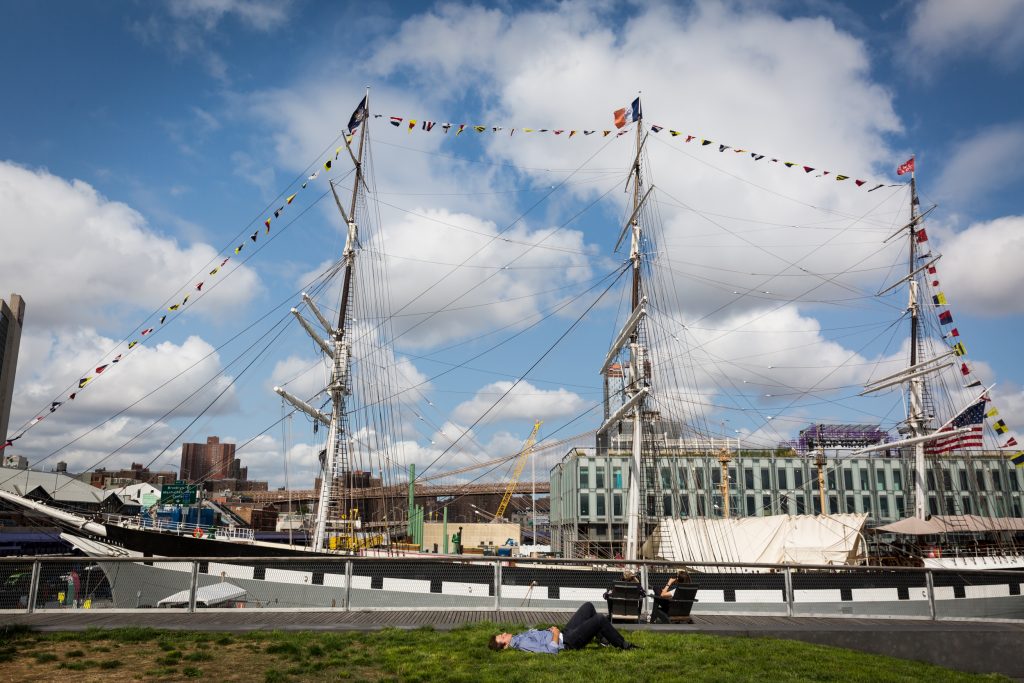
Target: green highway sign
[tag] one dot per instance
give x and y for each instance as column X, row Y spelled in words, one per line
column 178, row 493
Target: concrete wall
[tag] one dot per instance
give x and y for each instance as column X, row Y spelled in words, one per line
column 473, row 534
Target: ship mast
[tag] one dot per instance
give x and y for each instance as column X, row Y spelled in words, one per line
column 916, row 419
column 338, row 348
column 636, row 367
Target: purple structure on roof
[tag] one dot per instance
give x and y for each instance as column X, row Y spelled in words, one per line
column 838, row 436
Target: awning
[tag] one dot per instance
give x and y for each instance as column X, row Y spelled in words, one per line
column 953, row 524
column 206, row 596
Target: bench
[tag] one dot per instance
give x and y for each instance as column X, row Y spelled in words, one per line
column 676, row 610
column 625, row 601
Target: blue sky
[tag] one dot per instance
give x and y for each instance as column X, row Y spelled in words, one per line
column 140, row 138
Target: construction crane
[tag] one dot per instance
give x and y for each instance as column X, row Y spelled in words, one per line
column 524, row 455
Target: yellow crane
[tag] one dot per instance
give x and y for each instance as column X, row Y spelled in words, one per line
column 524, row 455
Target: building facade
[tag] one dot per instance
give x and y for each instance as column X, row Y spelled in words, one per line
column 137, row 473
column 202, row 462
column 12, row 317
column 589, row 492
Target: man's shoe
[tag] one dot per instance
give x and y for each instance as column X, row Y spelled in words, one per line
column 602, row 641
column 631, row 646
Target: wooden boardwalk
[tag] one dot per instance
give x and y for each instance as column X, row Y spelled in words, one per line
column 983, row 647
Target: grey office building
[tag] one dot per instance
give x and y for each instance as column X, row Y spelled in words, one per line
column 590, row 489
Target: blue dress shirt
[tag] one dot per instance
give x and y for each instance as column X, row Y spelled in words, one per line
column 536, row 641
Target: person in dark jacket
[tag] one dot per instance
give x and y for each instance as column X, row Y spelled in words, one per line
column 629, row 577
column 585, row 626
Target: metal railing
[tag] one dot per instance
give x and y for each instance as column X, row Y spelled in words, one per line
column 184, row 528
column 425, row 582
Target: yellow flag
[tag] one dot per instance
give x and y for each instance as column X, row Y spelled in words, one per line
column 289, row 200
column 992, row 413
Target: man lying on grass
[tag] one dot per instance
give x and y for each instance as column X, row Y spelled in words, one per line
column 584, row 626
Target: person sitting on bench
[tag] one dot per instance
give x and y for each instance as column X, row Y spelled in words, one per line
column 682, row 576
column 584, row 626
column 629, row 586
column 663, row 601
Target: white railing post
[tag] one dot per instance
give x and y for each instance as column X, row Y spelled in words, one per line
column 348, row 586
column 33, row 587
column 645, row 580
column 194, row 587
column 930, row 589
column 789, row 591
column 497, row 584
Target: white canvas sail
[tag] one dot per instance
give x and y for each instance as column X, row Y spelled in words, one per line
column 776, row 539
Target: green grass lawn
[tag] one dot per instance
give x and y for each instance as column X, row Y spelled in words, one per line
column 428, row 655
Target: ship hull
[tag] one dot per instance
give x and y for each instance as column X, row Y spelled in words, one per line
column 387, row 583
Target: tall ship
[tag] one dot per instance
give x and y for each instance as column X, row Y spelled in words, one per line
column 653, row 486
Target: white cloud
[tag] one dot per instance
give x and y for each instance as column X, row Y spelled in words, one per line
column 759, row 94
column 50, row 366
column 942, row 29
column 982, row 266
column 265, row 459
column 189, row 27
column 112, row 422
column 982, row 165
column 457, row 281
column 110, row 260
column 263, row 15
column 729, row 73
column 303, row 377
column 95, row 448
column 524, row 402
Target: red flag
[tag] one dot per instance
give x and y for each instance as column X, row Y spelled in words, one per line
column 1011, row 442
column 906, row 167
column 101, row 369
column 964, row 370
column 922, row 236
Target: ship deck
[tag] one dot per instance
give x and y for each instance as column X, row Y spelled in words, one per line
column 975, row 646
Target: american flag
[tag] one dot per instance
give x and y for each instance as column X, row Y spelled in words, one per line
column 973, row 417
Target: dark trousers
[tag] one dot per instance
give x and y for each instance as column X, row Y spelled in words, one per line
column 659, row 614
column 585, row 625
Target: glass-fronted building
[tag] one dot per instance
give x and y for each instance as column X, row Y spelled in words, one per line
column 589, row 492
